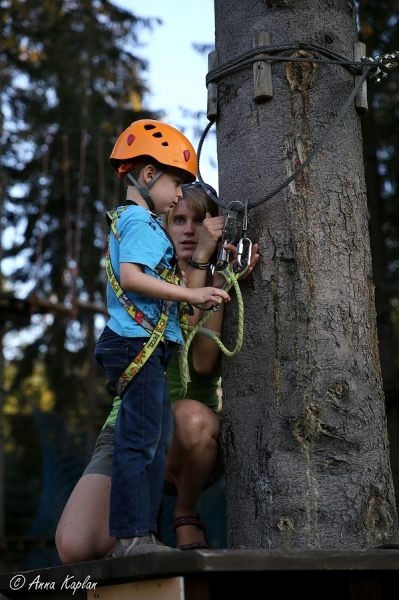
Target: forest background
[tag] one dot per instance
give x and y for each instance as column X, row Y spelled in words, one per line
column 71, row 81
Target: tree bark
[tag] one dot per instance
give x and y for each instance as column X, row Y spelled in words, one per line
column 303, row 428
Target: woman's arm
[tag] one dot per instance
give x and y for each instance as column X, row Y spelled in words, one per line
column 206, row 353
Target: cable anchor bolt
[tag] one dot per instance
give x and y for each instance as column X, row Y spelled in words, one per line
column 384, row 64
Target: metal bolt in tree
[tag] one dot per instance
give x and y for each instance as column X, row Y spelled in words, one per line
column 303, row 430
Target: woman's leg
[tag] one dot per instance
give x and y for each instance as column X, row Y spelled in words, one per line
column 83, row 531
column 191, row 459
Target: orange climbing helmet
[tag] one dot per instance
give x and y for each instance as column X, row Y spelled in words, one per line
column 157, row 140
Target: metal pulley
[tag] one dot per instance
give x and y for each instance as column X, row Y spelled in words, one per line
column 235, row 232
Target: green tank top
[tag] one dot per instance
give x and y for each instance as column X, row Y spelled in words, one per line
column 202, row 388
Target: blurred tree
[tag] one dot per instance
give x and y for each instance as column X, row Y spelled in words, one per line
column 70, row 83
column 379, row 29
column 74, row 83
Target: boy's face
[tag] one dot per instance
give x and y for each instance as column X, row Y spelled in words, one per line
column 166, row 191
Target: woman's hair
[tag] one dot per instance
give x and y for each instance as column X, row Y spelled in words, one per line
column 198, row 201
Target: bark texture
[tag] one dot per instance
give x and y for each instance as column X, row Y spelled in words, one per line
column 304, row 428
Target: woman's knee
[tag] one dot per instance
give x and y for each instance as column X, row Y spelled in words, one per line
column 194, row 423
column 69, row 549
column 82, row 533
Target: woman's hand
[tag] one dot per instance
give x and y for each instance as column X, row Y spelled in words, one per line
column 219, row 280
column 211, row 231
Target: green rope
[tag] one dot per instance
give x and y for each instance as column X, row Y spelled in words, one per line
column 231, row 281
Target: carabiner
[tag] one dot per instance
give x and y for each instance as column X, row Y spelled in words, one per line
column 240, row 250
column 240, row 264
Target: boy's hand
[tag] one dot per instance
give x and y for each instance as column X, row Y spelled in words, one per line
column 206, row 294
column 211, row 231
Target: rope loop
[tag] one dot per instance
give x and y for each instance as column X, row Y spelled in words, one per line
column 231, row 281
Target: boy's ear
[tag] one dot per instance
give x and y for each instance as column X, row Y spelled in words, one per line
column 148, row 173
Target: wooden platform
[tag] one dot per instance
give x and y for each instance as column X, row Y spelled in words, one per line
column 211, row 574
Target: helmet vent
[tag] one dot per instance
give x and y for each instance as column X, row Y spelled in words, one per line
column 158, row 134
column 130, row 139
column 164, row 144
column 147, row 127
column 186, row 154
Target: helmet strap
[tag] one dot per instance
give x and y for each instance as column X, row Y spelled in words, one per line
column 144, row 189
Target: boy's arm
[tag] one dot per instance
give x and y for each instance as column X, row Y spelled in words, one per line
column 134, row 280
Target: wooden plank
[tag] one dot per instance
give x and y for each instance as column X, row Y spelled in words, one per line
column 157, row 589
column 359, row 50
column 212, row 109
column 263, row 88
column 206, row 563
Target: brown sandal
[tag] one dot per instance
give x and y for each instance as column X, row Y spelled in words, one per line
column 181, row 521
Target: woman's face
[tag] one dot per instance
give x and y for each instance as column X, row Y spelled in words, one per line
column 185, row 229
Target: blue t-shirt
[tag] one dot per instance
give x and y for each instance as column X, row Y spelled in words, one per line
column 143, row 242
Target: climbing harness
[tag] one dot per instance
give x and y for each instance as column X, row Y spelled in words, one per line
column 156, row 331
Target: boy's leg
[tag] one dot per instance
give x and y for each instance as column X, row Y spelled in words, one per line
column 157, row 468
column 140, row 427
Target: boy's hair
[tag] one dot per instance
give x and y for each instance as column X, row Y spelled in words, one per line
column 198, row 201
column 144, row 161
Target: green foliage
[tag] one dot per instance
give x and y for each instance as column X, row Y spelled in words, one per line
column 23, row 477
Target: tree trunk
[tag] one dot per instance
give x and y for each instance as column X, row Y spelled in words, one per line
column 303, row 429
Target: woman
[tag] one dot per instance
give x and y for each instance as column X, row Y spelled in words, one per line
column 83, row 532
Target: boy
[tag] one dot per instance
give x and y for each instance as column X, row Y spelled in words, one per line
column 142, row 303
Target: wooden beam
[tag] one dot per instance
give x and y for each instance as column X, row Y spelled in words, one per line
column 12, row 308
column 156, row 589
column 263, row 88
column 359, row 50
column 212, row 109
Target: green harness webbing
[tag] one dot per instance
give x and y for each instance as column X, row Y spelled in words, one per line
column 231, row 281
column 118, row 387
